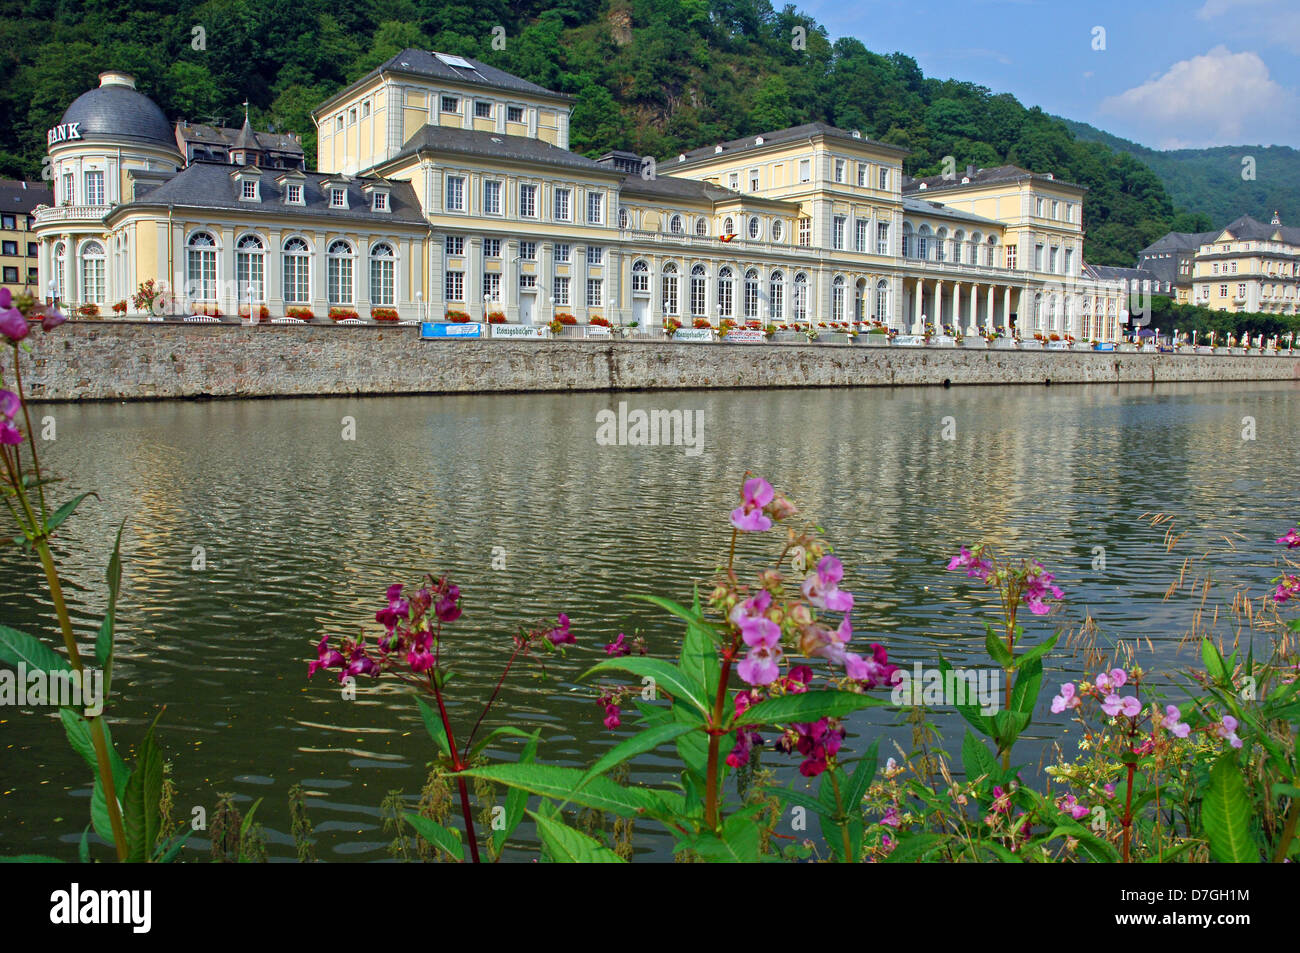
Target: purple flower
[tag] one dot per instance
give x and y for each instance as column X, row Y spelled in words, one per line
column 561, row 635
column 1227, row 730
column 1292, row 538
column 1037, row 586
column 1287, row 587
column 891, row 818
column 326, row 657
column 816, row 741
column 749, row 516
column 10, row 405
column 822, row 588
column 359, row 664
column 761, row 666
column 1070, row 805
column 975, row 567
column 612, row 720
column 446, row 608
column 1110, row 681
column 398, row 608
column 12, row 323
column 51, row 317
column 1173, row 724
column 1067, row 699
column 619, row 647
column 872, row 671
column 742, row 752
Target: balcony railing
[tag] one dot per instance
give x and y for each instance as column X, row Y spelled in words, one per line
column 71, row 213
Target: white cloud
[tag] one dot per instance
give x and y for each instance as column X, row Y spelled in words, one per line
column 1267, row 21
column 1220, row 98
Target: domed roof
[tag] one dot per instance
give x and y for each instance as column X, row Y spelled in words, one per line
column 116, row 109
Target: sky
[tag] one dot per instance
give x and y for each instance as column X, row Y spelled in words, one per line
column 1167, row 74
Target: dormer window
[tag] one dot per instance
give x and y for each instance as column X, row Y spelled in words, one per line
column 249, row 191
column 293, row 195
column 482, row 110
column 250, row 181
column 514, row 114
column 381, row 202
column 338, row 197
column 450, row 104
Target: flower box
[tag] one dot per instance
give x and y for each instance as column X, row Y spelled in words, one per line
column 335, row 314
column 263, row 313
column 458, row 317
column 384, row 315
column 302, row 314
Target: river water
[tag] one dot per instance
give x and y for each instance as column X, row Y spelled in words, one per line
column 298, row 532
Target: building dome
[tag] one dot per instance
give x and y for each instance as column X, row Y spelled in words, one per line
column 116, row 109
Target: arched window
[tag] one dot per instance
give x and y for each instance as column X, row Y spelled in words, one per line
column 297, row 272
column 776, row 296
column 778, row 230
column 675, row 225
column 975, row 241
column 751, row 294
column 755, row 227
column 701, row 227
column 940, row 245
column 958, row 239
column 728, row 225
column 623, row 219
column 671, row 285
column 640, row 277
column 1036, row 318
column 201, row 267
column 923, row 236
column 338, row 263
column 250, row 269
column 882, row 301
column 60, row 270
column 726, row 292
column 991, row 251
column 698, row 291
column 909, row 240
column 837, row 298
column 383, row 275
column 93, row 290
column 801, row 297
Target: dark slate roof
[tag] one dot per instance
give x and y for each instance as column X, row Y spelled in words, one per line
column 1113, row 273
column 939, row 210
column 21, row 197
column 209, row 185
column 424, row 63
column 120, row 112
column 1180, row 241
column 672, row 187
column 793, row 133
column 227, row 137
column 1002, row 173
column 495, row 145
column 1249, row 229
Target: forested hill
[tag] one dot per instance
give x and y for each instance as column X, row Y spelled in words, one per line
column 654, row 76
column 1214, row 182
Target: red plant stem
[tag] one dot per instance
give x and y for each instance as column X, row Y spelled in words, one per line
column 711, row 775
column 469, row 743
column 457, row 765
column 31, row 438
column 1128, row 811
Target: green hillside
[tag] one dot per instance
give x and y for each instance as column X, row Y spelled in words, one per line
column 654, row 76
column 1209, row 182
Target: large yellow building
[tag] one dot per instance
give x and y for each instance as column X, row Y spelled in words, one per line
column 444, row 184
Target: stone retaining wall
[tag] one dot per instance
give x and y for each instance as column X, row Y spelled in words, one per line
column 92, row 360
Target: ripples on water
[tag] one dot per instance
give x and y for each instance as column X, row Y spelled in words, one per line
column 302, row 531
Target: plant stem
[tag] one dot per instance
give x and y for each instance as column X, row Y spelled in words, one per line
column 711, row 769
column 1128, row 811
column 844, row 827
column 457, row 765
column 1288, row 832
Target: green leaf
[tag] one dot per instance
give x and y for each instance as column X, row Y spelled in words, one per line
column 433, row 725
column 806, row 706
column 77, row 729
column 914, row 847
column 738, row 843
column 1037, row 652
column 800, row 799
column 1225, row 814
column 495, row 733
column 83, row 847
column 516, row 799
column 16, row 648
column 1095, row 847
column 169, row 851
column 63, row 512
column 1029, row 680
column 997, row 649
column 562, row 784
column 104, row 643
column 1213, row 660
column 976, row 759
column 863, row 775
column 699, row 656
column 447, row 841
column 977, row 719
column 567, row 846
column 30, row 859
column 643, row 741
column 1007, row 727
column 141, row 815
column 667, row 676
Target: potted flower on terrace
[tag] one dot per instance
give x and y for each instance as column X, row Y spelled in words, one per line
column 384, row 315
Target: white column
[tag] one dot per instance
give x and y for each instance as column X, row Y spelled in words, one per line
column 918, row 327
column 937, row 318
column 1006, row 308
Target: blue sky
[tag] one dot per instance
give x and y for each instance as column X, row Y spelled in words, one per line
column 1174, row 73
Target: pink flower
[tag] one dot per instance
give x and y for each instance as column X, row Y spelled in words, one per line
column 822, row 588
column 1292, row 538
column 1227, row 730
column 398, row 608
column 1067, row 699
column 816, row 741
column 742, row 752
column 326, row 657
column 1071, row 806
column 51, row 317
column 12, row 323
column 612, row 720
column 761, row 666
column 10, row 405
column 891, row 818
column 1177, row 728
column 618, row 647
column 1287, row 587
column 561, row 635
column 1037, row 586
column 447, row 608
column 749, row 516
column 1110, row 681
column 755, row 628
column 1128, row 705
column 873, row 671
column 975, row 567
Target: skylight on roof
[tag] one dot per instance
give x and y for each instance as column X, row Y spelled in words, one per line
column 458, row 61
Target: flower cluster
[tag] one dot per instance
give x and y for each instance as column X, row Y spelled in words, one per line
column 16, row 312
column 10, row 405
column 1029, row 583
column 817, row 741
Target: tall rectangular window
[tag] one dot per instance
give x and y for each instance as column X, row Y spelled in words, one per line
column 455, row 285
column 805, row 232
column 839, row 170
column 563, row 201
column 861, row 234
column 884, row 178
column 528, row 201
column 562, row 251
column 491, row 286
column 882, row 238
column 595, row 292
column 95, row 188
column 491, row 197
column 1011, row 257
column 805, row 170
column 455, row 193
column 67, row 188
column 561, row 290
column 595, row 255
column 837, row 232
column 595, row 208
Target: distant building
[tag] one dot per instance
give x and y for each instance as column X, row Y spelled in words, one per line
column 19, row 247
column 243, row 146
column 1247, row 266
